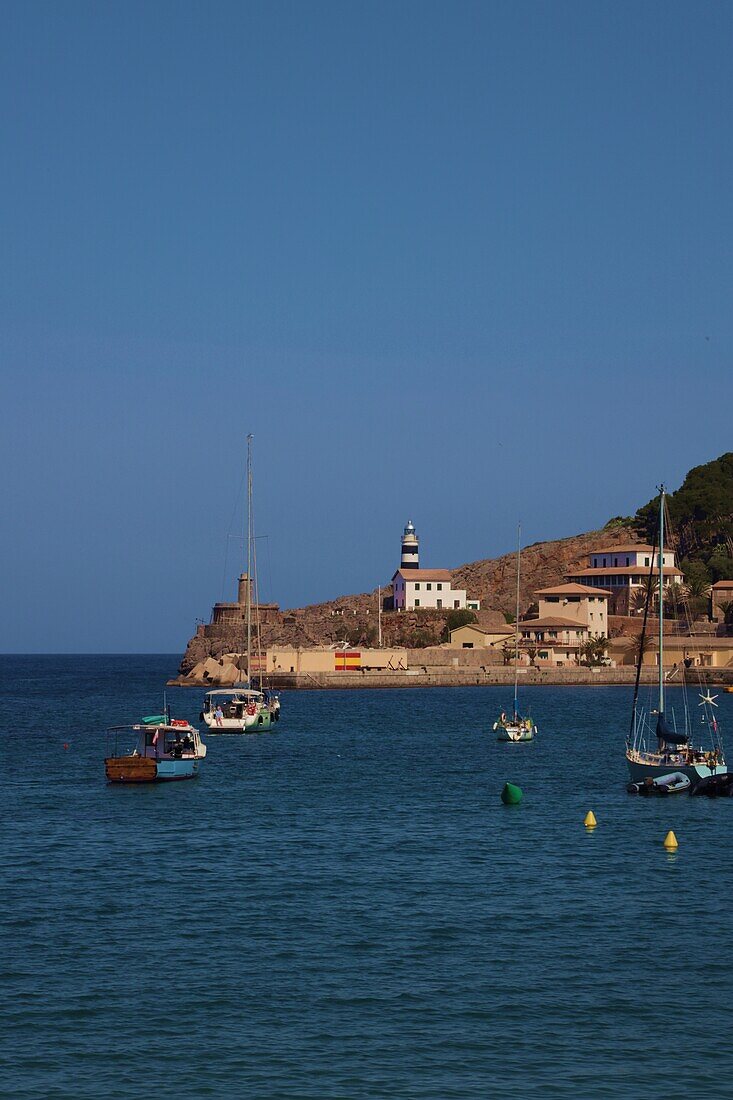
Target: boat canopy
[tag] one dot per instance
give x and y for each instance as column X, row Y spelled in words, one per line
column 241, row 694
column 666, row 733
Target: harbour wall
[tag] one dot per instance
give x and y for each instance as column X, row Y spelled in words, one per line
column 478, row 676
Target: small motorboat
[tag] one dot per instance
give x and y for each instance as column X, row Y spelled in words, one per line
column 165, row 748
column 673, row 783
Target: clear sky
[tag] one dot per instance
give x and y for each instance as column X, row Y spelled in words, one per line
column 457, row 262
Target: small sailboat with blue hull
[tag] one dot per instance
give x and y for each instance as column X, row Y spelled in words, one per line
column 164, row 748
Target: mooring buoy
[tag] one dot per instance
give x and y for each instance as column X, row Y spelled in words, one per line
column 511, row 794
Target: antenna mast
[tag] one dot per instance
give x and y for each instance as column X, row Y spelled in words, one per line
column 249, row 559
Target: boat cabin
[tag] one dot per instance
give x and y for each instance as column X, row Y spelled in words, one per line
column 233, row 703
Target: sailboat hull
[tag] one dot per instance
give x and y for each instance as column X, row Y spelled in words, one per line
column 514, row 733
column 639, row 770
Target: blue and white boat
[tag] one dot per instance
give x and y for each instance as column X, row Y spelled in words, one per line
column 164, row 749
column 658, row 743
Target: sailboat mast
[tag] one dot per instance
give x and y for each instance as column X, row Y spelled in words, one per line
column 661, row 599
column 516, row 620
column 249, row 559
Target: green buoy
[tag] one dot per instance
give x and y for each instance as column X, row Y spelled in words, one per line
column 511, row 795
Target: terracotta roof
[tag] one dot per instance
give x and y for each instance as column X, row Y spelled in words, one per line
column 485, row 629
column 573, row 590
column 637, row 547
column 723, row 584
column 550, row 621
column 425, row 575
column 622, row 571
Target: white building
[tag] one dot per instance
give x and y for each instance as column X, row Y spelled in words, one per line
column 415, row 588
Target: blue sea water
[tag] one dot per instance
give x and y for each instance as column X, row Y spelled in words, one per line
column 344, row 908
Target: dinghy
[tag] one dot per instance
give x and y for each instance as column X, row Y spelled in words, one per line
column 673, row 783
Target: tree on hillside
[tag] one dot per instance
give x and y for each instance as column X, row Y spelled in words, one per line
column 701, row 511
column 460, row 616
column 618, row 521
column 697, row 581
column 720, row 564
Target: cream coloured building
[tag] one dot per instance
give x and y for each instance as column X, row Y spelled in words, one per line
column 568, row 616
column 703, row 651
column 317, row 659
column 556, row 640
column 473, row 636
column 578, row 603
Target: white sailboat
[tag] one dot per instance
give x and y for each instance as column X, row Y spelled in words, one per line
column 515, row 727
column 656, row 746
column 246, row 709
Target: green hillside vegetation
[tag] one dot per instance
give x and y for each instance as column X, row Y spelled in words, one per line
column 701, row 513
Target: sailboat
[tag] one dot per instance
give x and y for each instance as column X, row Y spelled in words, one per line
column 515, row 727
column 245, row 709
column 655, row 745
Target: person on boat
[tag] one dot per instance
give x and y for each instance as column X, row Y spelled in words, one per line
column 219, row 714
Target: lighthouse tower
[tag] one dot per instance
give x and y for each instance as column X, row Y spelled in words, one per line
column 410, row 554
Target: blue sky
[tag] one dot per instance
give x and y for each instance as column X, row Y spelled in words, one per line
column 458, row 262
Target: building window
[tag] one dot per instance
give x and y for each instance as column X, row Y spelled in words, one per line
column 604, row 563
column 417, row 586
column 429, row 586
column 456, row 604
column 628, row 561
column 439, row 587
column 439, row 604
column 468, row 645
column 646, row 561
column 417, row 603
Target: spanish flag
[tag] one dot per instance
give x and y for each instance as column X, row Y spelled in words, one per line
column 347, row 659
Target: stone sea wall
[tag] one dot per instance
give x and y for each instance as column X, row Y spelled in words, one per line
column 469, row 675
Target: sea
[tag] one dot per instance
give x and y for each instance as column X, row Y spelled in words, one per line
column 344, row 908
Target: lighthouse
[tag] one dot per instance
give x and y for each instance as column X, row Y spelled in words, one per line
column 410, row 553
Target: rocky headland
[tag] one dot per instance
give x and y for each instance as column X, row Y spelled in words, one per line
column 353, row 619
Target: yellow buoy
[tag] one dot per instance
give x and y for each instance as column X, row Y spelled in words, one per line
column 590, row 820
column 670, row 840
